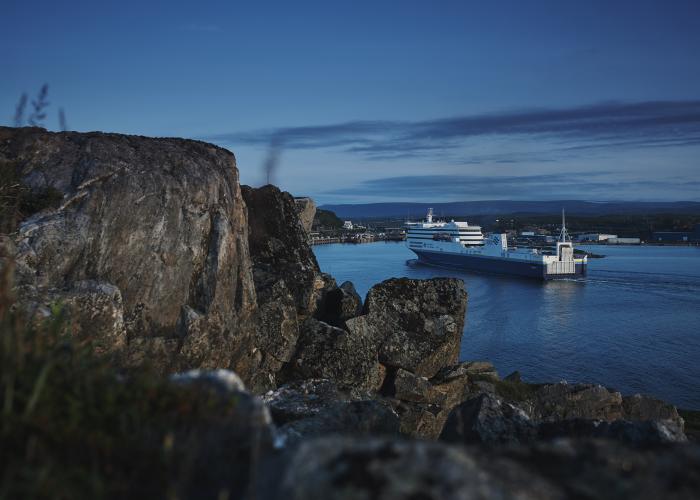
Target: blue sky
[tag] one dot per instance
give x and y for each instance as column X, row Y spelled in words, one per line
column 386, row 101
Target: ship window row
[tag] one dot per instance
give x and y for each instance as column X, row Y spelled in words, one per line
column 430, row 238
column 474, row 228
column 448, row 232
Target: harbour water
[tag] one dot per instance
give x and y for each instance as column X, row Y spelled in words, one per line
column 633, row 324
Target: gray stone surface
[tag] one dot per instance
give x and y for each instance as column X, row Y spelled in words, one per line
column 347, row 358
column 487, row 419
column 417, row 324
column 162, row 221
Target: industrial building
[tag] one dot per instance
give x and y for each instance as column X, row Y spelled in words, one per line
column 597, row 237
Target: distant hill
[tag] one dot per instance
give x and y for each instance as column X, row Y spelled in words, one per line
column 501, row 207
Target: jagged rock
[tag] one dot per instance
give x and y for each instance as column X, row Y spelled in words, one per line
column 487, row 419
column 639, row 433
column 340, row 304
column 182, row 242
column 411, row 387
column 479, row 370
column 640, row 407
column 307, row 211
column 364, row 469
column 419, row 420
column 278, row 246
column 316, row 407
column 423, row 405
column 288, row 282
column 347, row 358
column 562, row 401
column 416, row 323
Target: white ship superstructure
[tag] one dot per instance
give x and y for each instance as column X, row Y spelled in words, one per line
column 458, row 244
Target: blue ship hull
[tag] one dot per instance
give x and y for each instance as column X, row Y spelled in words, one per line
column 494, row 265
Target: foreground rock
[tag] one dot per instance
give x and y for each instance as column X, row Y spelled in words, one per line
column 339, row 468
column 151, row 233
column 316, row 407
column 328, row 469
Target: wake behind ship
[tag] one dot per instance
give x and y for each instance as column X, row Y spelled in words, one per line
column 459, row 245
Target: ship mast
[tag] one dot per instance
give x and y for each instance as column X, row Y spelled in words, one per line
column 563, row 234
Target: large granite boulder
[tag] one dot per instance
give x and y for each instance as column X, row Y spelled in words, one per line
column 151, row 232
column 417, row 324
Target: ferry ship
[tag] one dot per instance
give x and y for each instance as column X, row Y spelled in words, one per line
column 460, row 245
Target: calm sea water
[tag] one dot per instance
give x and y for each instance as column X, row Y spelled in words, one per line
column 633, row 324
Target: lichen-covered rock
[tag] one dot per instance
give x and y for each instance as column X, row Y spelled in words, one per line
column 278, row 246
column 317, row 407
column 561, row 401
column 479, row 370
column 324, row 351
column 640, row 407
column 417, row 324
column 288, row 283
column 487, row 419
column 160, row 220
column 93, row 310
column 339, row 305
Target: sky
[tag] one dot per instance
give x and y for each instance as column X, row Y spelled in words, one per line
column 353, row 102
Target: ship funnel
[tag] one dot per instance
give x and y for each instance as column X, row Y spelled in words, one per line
column 429, row 217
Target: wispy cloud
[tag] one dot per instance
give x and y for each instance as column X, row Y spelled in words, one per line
column 590, row 185
column 605, row 125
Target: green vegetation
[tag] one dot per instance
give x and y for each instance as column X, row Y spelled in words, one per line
column 692, row 423
column 17, row 201
column 327, row 219
column 515, row 390
column 641, row 226
column 72, row 427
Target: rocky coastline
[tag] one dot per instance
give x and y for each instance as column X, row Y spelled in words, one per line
column 159, row 259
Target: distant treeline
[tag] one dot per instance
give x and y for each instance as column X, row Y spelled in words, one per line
column 496, row 208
